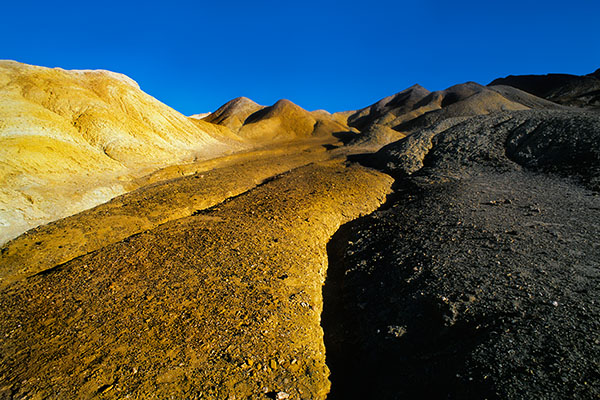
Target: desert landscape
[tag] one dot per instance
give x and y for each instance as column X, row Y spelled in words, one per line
column 433, row 245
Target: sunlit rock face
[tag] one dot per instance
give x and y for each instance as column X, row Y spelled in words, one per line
column 70, row 140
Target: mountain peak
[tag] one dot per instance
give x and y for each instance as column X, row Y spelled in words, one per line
column 284, row 103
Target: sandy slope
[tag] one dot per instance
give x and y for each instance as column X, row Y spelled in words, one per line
column 70, row 140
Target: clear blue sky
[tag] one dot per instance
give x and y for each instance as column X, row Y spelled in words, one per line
column 196, row 55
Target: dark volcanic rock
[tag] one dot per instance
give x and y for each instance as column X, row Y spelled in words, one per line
column 571, row 90
column 481, row 277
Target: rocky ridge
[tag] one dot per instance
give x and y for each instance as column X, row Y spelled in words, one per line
column 479, row 278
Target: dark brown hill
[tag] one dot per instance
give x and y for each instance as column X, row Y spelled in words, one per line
column 471, row 99
column 480, row 278
column 571, row 90
column 389, row 108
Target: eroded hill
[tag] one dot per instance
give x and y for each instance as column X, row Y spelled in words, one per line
column 415, row 108
column 70, row 140
column 460, row 260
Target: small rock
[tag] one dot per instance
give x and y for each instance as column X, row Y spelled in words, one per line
column 282, row 396
column 396, row 331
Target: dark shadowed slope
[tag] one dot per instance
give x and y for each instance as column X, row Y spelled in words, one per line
column 481, row 278
column 572, row 90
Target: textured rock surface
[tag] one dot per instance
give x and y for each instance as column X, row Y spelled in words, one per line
column 564, row 142
column 480, row 278
column 222, row 303
column 159, row 200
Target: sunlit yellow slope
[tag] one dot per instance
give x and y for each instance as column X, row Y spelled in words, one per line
column 72, row 139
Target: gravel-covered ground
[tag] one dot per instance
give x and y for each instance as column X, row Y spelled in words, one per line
column 480, row 278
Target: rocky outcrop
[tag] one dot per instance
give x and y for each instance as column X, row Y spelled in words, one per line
column 562, row 142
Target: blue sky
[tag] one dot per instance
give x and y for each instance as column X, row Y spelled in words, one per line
column 196, row 55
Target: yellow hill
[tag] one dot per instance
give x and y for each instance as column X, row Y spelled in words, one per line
column 233, row 113
column 70, row 140
column 283, row 121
